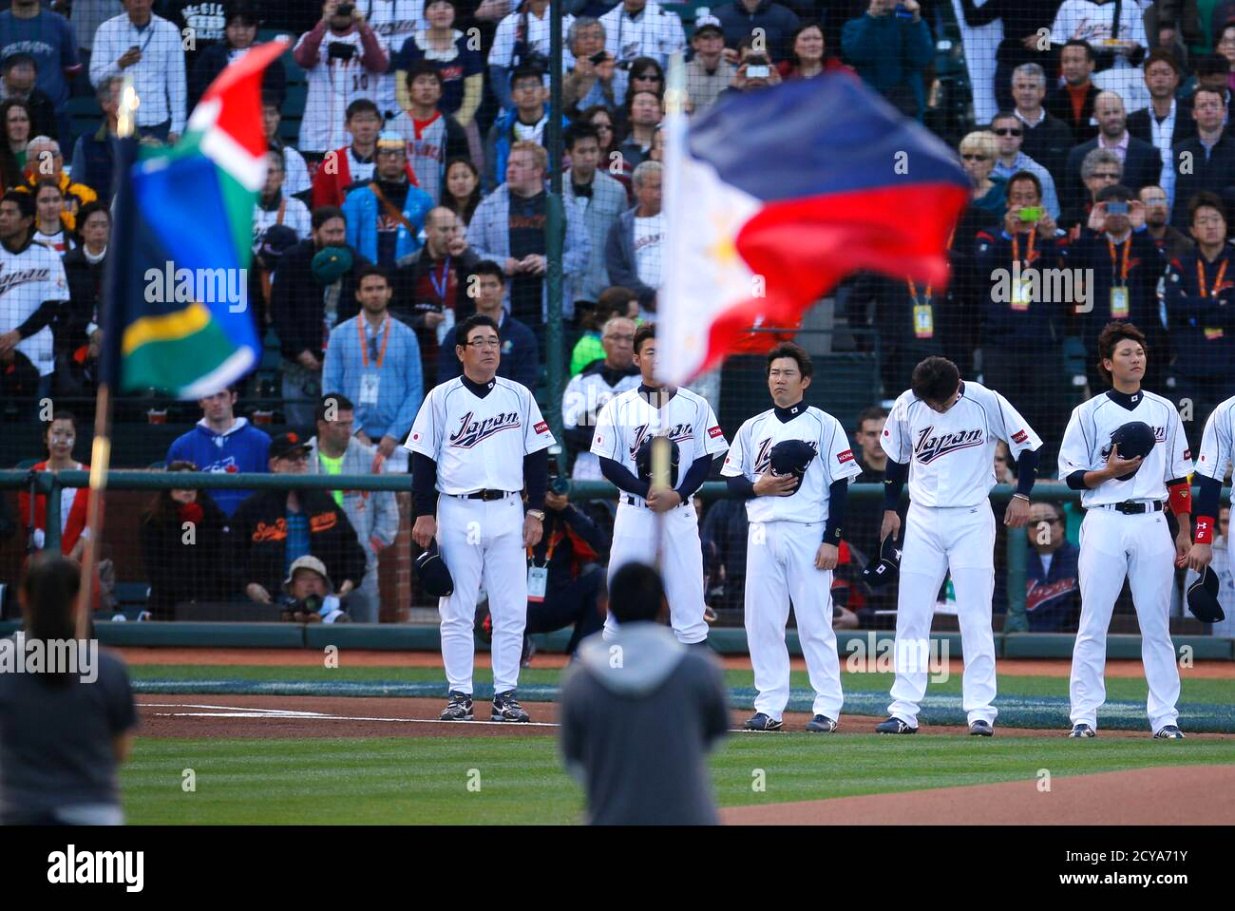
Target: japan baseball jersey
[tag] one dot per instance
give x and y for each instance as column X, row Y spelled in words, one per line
column 1216, row 453
column 1087, row 444
column 479, row 443
column 27, row 278
column 951, row 456
column 749, row 456
column 630, row 418
column 585, row 396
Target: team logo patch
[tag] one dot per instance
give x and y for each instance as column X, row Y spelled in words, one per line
column 1188, row 455
column 846, row 456
column 714, row 432
column 415, row 437
column 541, row 427
column 1020, row 436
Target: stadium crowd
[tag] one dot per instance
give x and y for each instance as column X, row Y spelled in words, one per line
column 413, row 194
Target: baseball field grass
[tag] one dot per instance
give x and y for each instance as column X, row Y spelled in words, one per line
column 520, row 780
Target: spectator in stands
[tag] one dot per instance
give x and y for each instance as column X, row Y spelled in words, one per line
column 296, row 183
column 1021, row 23
column 395, row 22
column 509, row 228
column 45, row 162
column 808, row 54
column 427, row 285
column 634, row 251
column 978, row 151
column 65, row 735
column 1199, row 302
column 432, row 137
column 86, row 16
column 755, row 71
column 274, row 208
column 723, row 536
column 1047, row 138
column 94, row 154
column 1100, row 168
column 342, row 58
column 385, row 215
column 60, row 436
column 15, row 116
column 1052, row 592
column 708, row 73
column 1225, row 47
column 240, row 31
column 871, row 457
column 525, row 121
column 520, row 43
column 890, row 53
column 772, row 21
column 49, row 227
column 314, row 289
column 48, row 41
column 374, row 514
column 308, row 596
column 1170, row 240
column 182, row 541
column 646, row 75
column 591, row 390
column 151, row 47
column 1005, row 470
column 78, row 334
column 604, row 121
column 1073, row 101
column 1126, row 267
column 374, row 360
column 642, row 28
column 223, row 443
column 1210, row 156
column 1161, row 123
column 598, row 200
column 273, row 529
column 353, row 163
column 19, row 75
column 645, row 114
column 1021, row 330
column 461, row 193
column 903, row 315
column 595, row 78
column 1213, row 73
column 1142, row 163
column 460, row 64
column 612, row 302
column 1114, row 32
column 520, row 350
column 1009, row 134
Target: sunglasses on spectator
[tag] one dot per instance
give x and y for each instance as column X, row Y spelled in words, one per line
column 1009, row 131
column 650, row 75
column 1106, row 175
column 973, row 157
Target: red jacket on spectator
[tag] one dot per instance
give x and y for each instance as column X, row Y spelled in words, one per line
column 77, row 513
column 328, row 187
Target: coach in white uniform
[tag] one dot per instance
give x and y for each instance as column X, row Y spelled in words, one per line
column 793, row 542
column 624, row 423
column 1125, row 533
column 1213, row 461
column 476, row 441
column 943, row 434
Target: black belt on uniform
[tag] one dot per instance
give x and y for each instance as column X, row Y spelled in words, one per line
column 1135, row 508
column 484, row 495
column 635, row 501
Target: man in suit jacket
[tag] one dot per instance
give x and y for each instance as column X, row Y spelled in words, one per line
column 1142, row 163
column 1164, row 122
column 1211, row 154
column 1073, row 102
column 1047, row 139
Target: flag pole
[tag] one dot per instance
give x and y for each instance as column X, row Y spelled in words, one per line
column 100, row 452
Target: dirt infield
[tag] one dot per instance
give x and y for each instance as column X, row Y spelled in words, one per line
column 1143, row 797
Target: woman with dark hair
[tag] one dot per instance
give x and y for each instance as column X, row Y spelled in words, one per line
column 808, row 54
column 15, row 120
column 79, row 338
column 62, row 734
column 52, row 224
column 182, row 546
column 240, row 31
column 461, row 193
column 646, row 75
column 60, row 435
column 602, row 118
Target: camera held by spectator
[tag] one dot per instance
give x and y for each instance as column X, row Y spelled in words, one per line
column 308, row 596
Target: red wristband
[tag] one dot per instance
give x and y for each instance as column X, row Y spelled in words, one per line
column 1181, row 498
column 1204, row 530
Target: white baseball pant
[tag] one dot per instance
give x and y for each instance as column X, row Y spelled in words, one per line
column 939, row 539
column 1114, row 545
column 681, row 562
column 780, row 566
column 482, row 543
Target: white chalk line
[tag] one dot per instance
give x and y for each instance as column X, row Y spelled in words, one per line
column 231, row 711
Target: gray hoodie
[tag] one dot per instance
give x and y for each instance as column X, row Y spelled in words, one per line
column 639, row 713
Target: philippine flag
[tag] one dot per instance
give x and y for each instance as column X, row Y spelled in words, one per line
column 773, row 197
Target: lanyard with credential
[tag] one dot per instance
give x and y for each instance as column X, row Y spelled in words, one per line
column 923, row 316
column 1123, row 268
column 1200, row 277
column 364, row 342
column 440, row 288
column 548, row 552
column 1016, row 247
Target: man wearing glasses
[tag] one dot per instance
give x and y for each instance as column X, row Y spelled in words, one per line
column 1010, row 137
column 1170, row 240
column 1142, row 163
column 1047, row 138
column 590, row 391
column 274, row 528
column 1210, row 153
column 1101, row 168
column 1052, row 593
column 476, row 443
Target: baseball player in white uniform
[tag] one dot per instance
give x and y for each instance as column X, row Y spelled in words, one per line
column 1212, row 463
column 621, row 429
column 1125, row 532
column 591, row 390
column 942, row 434
column 793, row 541
column 476, row 442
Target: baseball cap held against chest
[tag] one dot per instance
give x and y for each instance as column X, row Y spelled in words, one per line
column 1134, row 439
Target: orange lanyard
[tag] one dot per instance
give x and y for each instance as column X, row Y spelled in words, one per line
column 1016, row 247
column 364, row 342
column 913, row 286
column 1123, row 270
column 1200, row 276
column 548, row 553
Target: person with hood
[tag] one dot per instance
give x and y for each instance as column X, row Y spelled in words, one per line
column 636, row 731
column 222, row 442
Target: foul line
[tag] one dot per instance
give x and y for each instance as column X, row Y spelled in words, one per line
column 231, row 711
